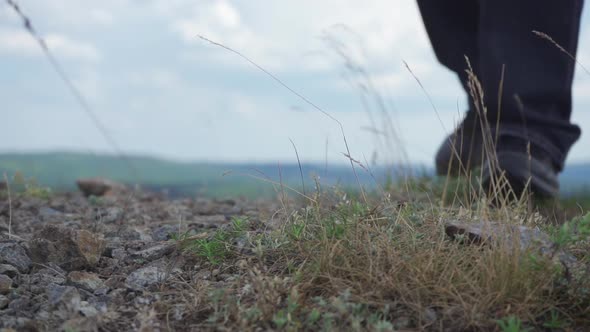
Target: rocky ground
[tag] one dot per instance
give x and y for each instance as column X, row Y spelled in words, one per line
column 108, row 258
column 102, row 258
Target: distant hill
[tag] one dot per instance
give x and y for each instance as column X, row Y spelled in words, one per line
column 60, row 170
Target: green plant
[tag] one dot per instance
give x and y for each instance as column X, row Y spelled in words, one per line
column 555, row 321
column 239, row 225
column 511, row 324
column 29, row 187
column 575, row 230
column 214, row 250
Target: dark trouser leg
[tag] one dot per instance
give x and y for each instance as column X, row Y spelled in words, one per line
column 452, row 27
column 537, row 102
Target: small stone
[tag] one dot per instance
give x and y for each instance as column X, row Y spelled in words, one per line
column 98, row 186
column 164, row 232
column 44, row 278
column 109, row 215
column 3, row 302
column 20, row 304
column 63, row 300
column 155, row 273
column 48, row 214
column 87, row 324
column 70, row 249
column 155, row 252
column 119, row 254
column 144, row 277
column 12, row 323
column 8, row 270
column 87, row 310
column 85, row 280
column 5, row 284
column 14, row 254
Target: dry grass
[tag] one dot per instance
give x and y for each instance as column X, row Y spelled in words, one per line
column 342, row 265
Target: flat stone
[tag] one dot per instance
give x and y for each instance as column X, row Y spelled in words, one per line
column 14, row 254
column 155, row 252
column 85, row 280
column 69, row 249
column 147, row 276
column 510, row 235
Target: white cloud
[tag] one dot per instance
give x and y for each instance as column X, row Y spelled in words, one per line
column 20, row 42
column 72, row 49
column 227, row 15
column 101, row 16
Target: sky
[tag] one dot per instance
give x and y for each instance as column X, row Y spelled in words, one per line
column 160, row 90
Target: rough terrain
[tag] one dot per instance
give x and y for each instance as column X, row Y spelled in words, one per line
column 88, row 263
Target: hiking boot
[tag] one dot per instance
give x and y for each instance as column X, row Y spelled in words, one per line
column 523, row 170
column 461, row 151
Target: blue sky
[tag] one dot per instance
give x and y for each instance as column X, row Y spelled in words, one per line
column 161, row 91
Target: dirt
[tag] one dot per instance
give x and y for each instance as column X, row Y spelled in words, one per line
column 77, row 263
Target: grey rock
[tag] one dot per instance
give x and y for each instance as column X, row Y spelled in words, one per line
column 70, row 249
column 155, row 252
column 124, row 235
column 85, row 280
column 48, row 214
column 144, row 277
column 87, row 310
column 155, row 273
column 164, row 232
column 5, row 284
column 86, row 324
column 52, row 275
column 8, row 270
column 20, row 304
column 507, row 235
column 119, row 254
column 110, row 215
column 18, row 324
column 14, row 254
column 3, row 302
column 64, row 301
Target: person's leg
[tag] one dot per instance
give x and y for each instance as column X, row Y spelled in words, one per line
column 536, row 103
column 452, row 27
